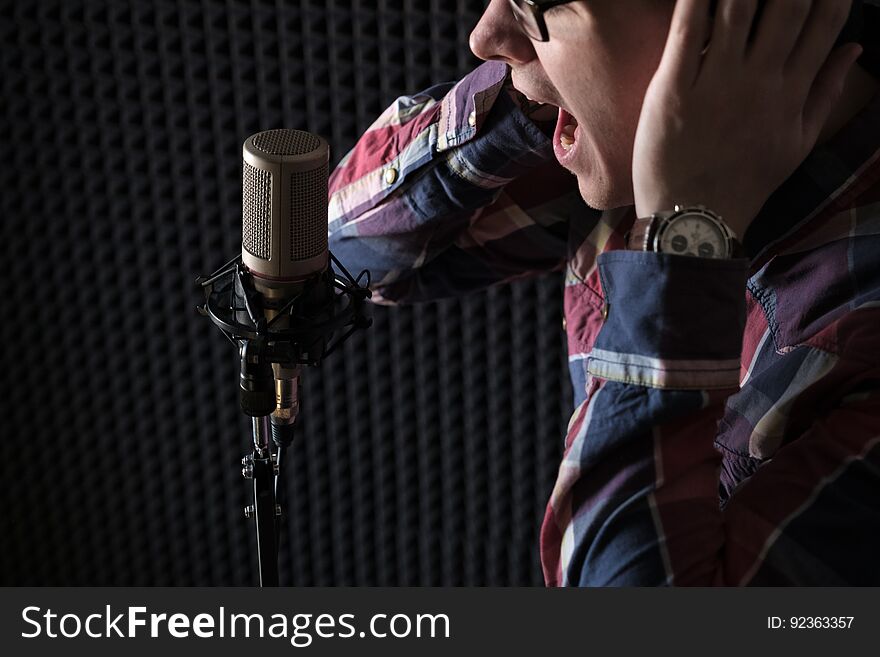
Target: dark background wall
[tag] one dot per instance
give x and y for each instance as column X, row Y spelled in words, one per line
column 428, row 446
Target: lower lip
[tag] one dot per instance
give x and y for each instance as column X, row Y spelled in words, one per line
column 565, row 156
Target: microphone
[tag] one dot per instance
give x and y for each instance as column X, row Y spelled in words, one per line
column 282, row 303
column 284, row 245
column 284, row 207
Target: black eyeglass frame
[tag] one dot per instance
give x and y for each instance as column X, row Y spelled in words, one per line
column 537, row 9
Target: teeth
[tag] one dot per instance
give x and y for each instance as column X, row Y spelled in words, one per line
column 566, row 137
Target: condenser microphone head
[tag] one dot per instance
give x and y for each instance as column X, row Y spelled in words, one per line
column 284, row 206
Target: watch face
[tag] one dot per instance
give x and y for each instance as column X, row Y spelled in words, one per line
column 693, row 234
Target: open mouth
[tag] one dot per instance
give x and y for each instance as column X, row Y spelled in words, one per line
column 566, row 136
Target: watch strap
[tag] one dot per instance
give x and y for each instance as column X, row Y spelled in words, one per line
column 641, row 236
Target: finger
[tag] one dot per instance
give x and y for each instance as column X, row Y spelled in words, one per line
column 827, row 89
column 821, row 30
column 688, row 33
column 730, row 32
column 778, row 30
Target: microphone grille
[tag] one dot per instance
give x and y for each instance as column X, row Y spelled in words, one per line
column 286, row 142
column 284, row 204
column 257, row 211
column 308, row 206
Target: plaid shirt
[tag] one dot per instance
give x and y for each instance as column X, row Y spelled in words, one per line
column 726, row 428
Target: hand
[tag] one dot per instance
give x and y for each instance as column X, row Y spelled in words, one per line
column 725, row 127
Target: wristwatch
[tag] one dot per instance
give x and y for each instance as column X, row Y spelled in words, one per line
column 692, row 230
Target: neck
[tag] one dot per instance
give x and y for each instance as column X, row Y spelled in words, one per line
column 859, row 89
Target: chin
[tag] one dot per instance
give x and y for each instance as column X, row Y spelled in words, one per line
column 604, row 183
column 600, row 195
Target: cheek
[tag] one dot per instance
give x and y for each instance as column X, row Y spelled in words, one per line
column 597, row 86
column 609, row 124
column 628, row 58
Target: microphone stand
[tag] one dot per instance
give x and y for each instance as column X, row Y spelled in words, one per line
column 262, row 466
column 274, row 340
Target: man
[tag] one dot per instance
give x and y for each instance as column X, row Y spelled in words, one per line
column 722, row 270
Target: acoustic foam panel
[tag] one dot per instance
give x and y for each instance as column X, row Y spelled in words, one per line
column 427, row 446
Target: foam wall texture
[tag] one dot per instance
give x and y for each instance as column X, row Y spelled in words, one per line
column 428, row 446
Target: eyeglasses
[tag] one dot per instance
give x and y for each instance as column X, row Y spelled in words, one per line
column 530, row 15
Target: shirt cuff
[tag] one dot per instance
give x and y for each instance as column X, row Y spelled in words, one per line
column 479, row 103
column 671, row 321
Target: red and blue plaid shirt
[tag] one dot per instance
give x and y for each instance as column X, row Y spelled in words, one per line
column 726, row 428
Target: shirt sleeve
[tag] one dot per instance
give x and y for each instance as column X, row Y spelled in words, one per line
column 449, row 191
column 636, row 500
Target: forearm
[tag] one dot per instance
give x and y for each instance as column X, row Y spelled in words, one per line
column 430, row 199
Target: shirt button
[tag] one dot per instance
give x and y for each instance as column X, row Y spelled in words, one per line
column 564, row 324
column 390, row 175
column 605, row 311
column 472, row 119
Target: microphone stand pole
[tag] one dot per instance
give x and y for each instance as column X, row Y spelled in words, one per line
column 272, row 434
column 262, row 466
